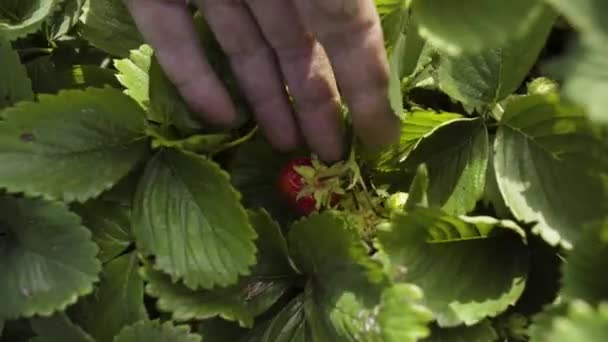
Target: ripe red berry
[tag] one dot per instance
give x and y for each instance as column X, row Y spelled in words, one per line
column 291, row 183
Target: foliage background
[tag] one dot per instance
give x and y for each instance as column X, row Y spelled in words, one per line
column 124, row 219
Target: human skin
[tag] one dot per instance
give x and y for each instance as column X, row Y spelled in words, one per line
column 305, row 48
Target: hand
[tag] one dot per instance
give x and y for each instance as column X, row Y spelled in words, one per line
column 311, row 46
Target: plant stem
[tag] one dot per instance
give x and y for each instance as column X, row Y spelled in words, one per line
column 236, row 142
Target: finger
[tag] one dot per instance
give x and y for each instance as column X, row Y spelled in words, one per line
column 350, row 32
column 254, row 65
column 167, row 25
column 308, row 75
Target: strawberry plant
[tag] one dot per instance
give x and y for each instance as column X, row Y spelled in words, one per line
column 123, row 218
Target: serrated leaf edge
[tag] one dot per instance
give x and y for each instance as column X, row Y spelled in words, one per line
column 80, row 292
column 65, row 196
column 240, row 273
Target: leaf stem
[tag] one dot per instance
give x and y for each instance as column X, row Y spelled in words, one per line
column 236, row 142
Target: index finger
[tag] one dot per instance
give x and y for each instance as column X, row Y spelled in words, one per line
column 351, row 34
column 168, row 26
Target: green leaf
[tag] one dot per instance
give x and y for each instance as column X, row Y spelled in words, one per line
column 58, row 328
column 417, row 125
column 580, row 277
column 396, row 58
column 581, row 322
column 19, row 18
column 289, row 325
column 71, row 146
column 394, row 16
column 401, row 314
column 253, row 295
column 47, row 259
column 418, row 194
column 110, row 224
column 123, row 192
column 492, row 195
column 585, row 73
column 117, row 301
column 469, row 268
column 491, row 75
column 543, row 321
column 472, row 25
column 480, row 332
column 147, row 83
column 64, row 19
column 547, row 160
column 154, row 331
column 15, row 86
column 588, row 16
column 348, row 296
column 134, row 76
column 456, row 154
column 108, row 26
column 188, row 215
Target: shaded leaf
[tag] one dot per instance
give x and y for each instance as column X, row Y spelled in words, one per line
column 492, row 195
column 456, row 154
column 547, row 160
column 58, row 328
column 491, row 75
column 288, row 325
column 253, row 295
column 15, row 85
column 49, row 79
column 588, row 16
column 154, row 331
column 348, row 296
column 19, row 18
column 188, row 216
column 471, row 25
column 394, row 16
column 469, row 268
column 110, row 224
column 47, row 258
column 580, row 277
column 108, row 26
column 585, row 73
column 117, row 301
column 581, row 322
column 542, row 322
column 64, row 19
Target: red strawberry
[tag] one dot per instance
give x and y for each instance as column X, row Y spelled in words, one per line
column 300, row 192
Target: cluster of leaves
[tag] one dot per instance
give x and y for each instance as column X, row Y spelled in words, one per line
column 122, row 218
